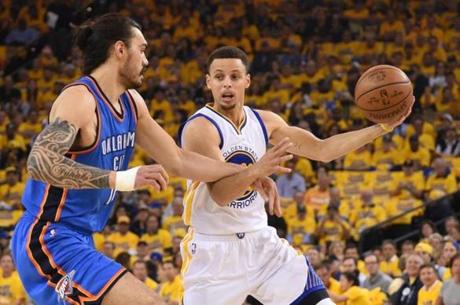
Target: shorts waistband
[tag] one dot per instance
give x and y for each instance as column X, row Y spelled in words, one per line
column 228, row 237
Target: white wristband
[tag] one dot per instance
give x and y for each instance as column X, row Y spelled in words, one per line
column 125, row 180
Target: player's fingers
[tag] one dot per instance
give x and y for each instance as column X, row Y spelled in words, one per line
column 163, row 172
column 157, row 168
column 282, row 169
column 271, row 201
column 259, row 188
column 286, row 158
column 153, row 183
column 278, row 209
column 158, row 177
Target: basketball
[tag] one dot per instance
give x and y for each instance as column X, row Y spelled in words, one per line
column 383, row 93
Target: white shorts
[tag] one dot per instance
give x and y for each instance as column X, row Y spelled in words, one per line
column 225, row 269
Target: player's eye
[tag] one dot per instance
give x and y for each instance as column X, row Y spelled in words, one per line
column 219, row 76
column 235, row 77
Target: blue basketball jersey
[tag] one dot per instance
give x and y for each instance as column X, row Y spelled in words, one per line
column 88, row 210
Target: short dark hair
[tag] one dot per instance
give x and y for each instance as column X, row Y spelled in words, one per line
column 352, row 278
column 228, row 52
column 453, row 259
column 429, row 265
column 96, row 36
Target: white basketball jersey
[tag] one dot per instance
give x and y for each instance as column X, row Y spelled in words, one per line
column 244, row 146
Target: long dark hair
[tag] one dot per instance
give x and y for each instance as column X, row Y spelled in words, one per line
column 96, row 36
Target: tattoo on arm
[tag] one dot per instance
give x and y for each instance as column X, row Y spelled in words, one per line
column 47, row 162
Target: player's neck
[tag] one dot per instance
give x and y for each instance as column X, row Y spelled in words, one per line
column 235, row 115
column 109, row 82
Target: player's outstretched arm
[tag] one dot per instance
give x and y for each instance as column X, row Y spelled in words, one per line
column 47, row 162
column 308, row 145
column 202, row 137
column 178, row 162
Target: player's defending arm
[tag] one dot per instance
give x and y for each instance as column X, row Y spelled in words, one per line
column 201, row 137
column 47, row 162
column 178, row 162
column 308, row 145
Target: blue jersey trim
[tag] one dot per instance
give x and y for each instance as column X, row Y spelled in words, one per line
column 262, row 124
column 181, row 129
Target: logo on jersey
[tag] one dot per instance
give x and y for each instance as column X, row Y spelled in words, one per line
column 242, row 157
column 118, row 143
column 65, row 286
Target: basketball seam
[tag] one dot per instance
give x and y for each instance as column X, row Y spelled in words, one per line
column 390, row 84
column 379, row 69
column 375, row 110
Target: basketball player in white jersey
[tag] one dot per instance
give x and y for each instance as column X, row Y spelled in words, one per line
column 230, row 252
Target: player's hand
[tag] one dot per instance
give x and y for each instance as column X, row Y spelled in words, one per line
column 401, row 119
column 271, row 162
column 152, row 175
column 266, row 187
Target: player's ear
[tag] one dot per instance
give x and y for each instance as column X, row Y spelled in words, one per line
column 208, row 81
column 119, row 48
column 248, row 80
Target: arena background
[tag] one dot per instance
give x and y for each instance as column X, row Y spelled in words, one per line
column 305, row 59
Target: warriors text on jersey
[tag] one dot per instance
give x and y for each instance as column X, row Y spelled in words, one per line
column 245, row 145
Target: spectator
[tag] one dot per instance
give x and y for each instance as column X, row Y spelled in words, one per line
column 324, row 272
column 122, row 238
column 172, row 288
column 450, row 292
column 108, row 249
column 22, row 34
column 158, row 239
column 449, row 145
column 353, row 294
column 332, row 227
column 12, row 291
column 350, row 264
column 291, row 183
column 317, row 197
column 138, row 226
column 390, row 262
column 431, row 289
column 404, row 290
column 441, row 182
column 140, row 272
column 375, row 278
column 424, row 250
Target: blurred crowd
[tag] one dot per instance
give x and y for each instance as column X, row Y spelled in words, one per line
column 305, row 59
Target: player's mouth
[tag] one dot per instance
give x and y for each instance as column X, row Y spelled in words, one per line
column 227, row 96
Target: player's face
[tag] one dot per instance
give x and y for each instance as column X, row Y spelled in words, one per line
column 136, row 61
column 227, row 79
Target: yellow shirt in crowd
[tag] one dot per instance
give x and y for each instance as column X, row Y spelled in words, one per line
column 11, row 290
column 174, row 290
column 430, row 295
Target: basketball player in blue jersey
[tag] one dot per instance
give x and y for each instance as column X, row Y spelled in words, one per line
column 229, row 251
column 79, row 162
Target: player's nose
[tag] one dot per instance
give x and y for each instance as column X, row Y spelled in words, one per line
column 227, row 82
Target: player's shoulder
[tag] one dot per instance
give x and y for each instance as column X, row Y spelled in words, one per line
column 77, row 92
column 198, row 125
column 75, row 101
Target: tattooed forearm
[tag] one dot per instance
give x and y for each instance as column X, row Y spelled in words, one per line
column 47, row 163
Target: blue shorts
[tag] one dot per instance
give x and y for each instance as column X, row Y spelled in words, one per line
column 61, row 266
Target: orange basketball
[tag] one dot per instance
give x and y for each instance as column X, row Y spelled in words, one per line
column 383, row 93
